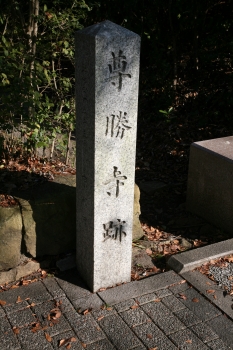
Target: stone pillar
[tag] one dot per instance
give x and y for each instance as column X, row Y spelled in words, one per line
column 107, row 72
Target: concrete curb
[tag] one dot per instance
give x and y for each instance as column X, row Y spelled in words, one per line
column 191, row 259
column 203, row 284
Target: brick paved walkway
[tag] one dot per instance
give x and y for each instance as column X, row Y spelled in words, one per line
column 158, row 312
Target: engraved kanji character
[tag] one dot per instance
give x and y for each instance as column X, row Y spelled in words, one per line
column 117, row 68
column 114, row 230
column 115, row 181
column 118, row 124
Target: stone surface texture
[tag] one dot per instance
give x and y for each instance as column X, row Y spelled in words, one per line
column 107, row 73
column 137, row 228
column 43, row 317
column 210, row 181
column 10, row 237
column 187, row 261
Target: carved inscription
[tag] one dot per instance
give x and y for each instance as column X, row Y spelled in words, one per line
column 116, row 124
column 114, row 230
column 115, row 182
column 117, row 69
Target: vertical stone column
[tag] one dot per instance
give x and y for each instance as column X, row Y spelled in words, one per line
column 107, row 72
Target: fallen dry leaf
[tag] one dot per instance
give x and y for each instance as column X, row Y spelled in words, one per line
column 86, row 311
column 15, row 330
column 208, row 283
column 66, row 341
column 2, row 302
column 109, row 308
column 84, row 345
column 153, row 348
column 148, row 251
column 55, row 313
column 182, row 296
column 35, row 327
column 230, row 259
column 209, row 291
column 214, row 296
column 149, row 336
column 19, row 300
column 195, row 300
column 48, row 338
column 68, row 346
column 100, row 318
column 134, row 307
column 189, row 341
column 157, row 300
column 14, row 286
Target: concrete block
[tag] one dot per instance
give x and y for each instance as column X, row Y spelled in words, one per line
column 186, row 339
column 135, row 317
column 118, row 332
column 107, row 72
column 203, row 284
column 199, row 305
column 210, row 181
column 153, row 337
column 156, row 311
column 36, row 340
column 187, row 317
column 223, row 327
column 173, row 303
column 137, row 288
column 75, row 345
column 187, row 261
column 204, row 332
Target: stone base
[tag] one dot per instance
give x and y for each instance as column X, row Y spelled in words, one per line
column 210, row 181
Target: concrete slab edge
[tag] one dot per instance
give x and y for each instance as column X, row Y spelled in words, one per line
column 191, row 259
column 204, row 285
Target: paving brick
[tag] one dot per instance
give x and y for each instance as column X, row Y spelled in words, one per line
column 92, row 301
column 163, row 293
column 153, row 337
column 173, row 303
column 15, row 307
column 125, row 305
column 75, row 345
column 156, row 310
column 73, row 286
column 65, row 305
column 223, row 326
column 146, row 298
column 134, row 317
column 187, row 317
column 218, row 344
column 72, row 317
column 170, row 325
column 8, row 340
column 203, row 284
column 103, row 313
column 103, row 344
column 53, row 287
column 87, row 329
column 21, row 318
column 186, row 339
column 138, row 288
column 204, row 332
column 42, row 311
column 179, row 288
column 202, row 308
column 2, row 313
column 119, row 333
column 36, row 292
column 30, row 340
